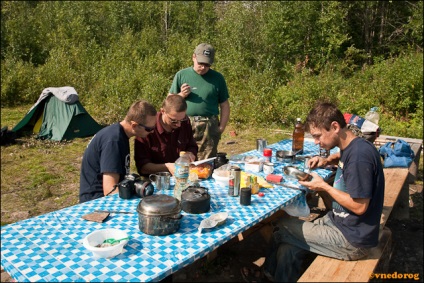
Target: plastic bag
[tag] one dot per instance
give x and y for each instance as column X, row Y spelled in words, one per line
column 299, row 208
column 223, row 171
column 373, row 115
column 397, row 154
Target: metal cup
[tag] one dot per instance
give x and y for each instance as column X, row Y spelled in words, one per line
column 306, row 165
column 162, row 180
column 268, row 167
column 261, row 144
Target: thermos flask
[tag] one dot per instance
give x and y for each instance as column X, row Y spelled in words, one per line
column 234, row 181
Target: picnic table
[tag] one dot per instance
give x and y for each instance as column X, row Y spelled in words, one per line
column 49, row 247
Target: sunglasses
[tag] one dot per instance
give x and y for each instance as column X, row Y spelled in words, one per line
column 148, row 129
column 175, row 121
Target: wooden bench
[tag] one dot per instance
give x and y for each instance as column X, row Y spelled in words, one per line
column 325, row 269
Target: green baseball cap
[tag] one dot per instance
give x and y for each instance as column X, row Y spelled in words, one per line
column 205, row 53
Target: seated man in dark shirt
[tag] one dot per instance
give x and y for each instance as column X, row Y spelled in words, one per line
column 173, row 133
column 106, row 159
column 351, row 228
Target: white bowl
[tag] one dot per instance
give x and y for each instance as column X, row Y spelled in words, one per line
column 97, row 237
column 223, row 181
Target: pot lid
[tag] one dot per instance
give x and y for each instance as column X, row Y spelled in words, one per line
column 194, row 193
column 159, row 205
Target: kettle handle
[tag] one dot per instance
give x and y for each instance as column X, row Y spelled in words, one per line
column 207, row 190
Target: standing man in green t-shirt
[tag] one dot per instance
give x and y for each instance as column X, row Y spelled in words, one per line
column 205, row 91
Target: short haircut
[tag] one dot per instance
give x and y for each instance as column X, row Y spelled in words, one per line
column 174, row 103
column 322, row 115
column 139, row 110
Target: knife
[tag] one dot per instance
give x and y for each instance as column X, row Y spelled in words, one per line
column 114, row 211
column 285, row 185
column 195, row 163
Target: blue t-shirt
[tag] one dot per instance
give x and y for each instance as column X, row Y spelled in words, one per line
column 107, row 152
column 360, row 174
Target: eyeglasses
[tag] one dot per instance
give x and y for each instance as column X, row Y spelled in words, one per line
column 175, row 121
column 148, row 129
column 204, row 65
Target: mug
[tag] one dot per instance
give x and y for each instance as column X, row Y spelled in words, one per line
column 268, row 167
column 162, row 180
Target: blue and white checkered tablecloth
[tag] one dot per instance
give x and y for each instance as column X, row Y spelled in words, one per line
column 48, row 248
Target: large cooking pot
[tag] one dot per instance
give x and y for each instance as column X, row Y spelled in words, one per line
column 196, row 200
column 159, row 215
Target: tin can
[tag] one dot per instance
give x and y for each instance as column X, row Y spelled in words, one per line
column 261, row 144
column 234, row 181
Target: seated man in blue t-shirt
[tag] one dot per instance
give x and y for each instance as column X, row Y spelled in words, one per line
column 351, row 228
column 106, row 160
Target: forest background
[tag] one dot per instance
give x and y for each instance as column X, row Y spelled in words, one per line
column 278, row 57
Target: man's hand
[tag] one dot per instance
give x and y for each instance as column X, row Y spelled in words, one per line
column 317, row 161
column 171, row 168
column 185, row 90
column 316, row 184
column 191, row 156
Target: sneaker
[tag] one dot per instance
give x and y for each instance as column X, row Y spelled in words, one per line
column 255, row 275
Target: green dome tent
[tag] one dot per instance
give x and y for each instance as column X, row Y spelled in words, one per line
column 58, row 115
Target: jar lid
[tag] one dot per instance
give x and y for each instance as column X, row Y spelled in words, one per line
column 157, row 205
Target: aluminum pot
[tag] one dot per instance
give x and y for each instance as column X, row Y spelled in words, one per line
column 159, row 215
column 285, row 156
column 195, row 200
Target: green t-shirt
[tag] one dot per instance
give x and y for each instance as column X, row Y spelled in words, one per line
column 208, row 91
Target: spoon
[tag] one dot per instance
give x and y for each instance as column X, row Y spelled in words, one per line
column 113, row 241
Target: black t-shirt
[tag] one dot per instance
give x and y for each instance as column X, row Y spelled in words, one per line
column 360, row 174
column 107, row 152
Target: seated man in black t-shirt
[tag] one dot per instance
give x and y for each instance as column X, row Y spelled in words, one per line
column 106, row 160
column 351, row 228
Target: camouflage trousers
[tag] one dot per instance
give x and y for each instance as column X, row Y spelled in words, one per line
column 206, row 134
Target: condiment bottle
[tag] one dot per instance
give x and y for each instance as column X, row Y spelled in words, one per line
column 182, row 168
column 247, row 180
column 254, row 185
column 298, row 137
column 267, row 154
